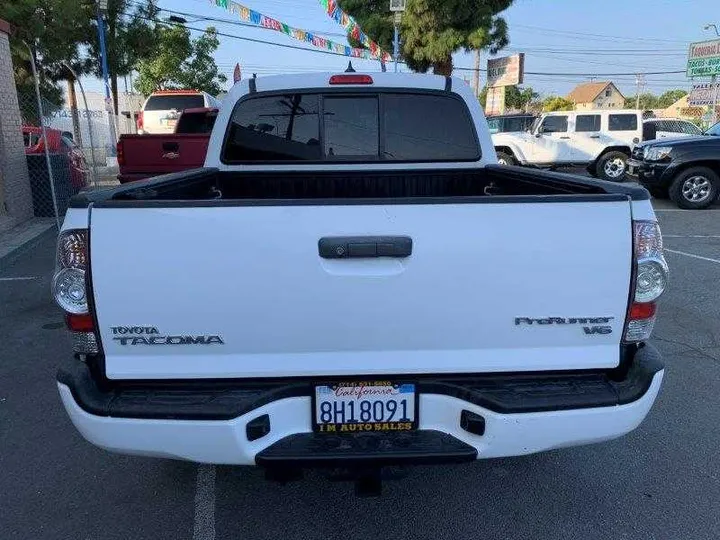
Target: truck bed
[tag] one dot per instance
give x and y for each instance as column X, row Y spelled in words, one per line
column 209, row 186
column 348, row 273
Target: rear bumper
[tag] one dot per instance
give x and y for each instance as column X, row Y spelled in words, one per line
column 529, row 414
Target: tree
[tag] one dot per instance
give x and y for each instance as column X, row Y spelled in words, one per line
column 668, row 98
column 179, row 62
column 130, row 36
column 432, row 30
column 648, row 100
column 54, row 30
column 516, row 98
column 557, row 103
column 519, row 98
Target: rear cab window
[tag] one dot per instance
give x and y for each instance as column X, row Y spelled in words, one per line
column 350, row 126
column 174, row 101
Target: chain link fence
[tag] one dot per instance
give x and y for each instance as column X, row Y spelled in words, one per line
column 67, row 151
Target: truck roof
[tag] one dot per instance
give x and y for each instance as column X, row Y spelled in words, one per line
column 322, row 80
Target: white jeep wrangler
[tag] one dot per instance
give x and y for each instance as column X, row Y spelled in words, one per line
column 600, row 140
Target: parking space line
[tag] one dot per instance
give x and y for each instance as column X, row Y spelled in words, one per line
column 204, row 524
column 693, row 256
column 28, row 278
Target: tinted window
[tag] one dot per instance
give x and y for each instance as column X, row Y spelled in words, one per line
column 428, row 128
column 587, row 122
column 555, row 124
column 275, row 128
column 622, row 122
column 177, row 102
column 649, row 130
column 351, row 126
column 196, row 122
column 415, row 128
column 494, row 125
column 517, row 123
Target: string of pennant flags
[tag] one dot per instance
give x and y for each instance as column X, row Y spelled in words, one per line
column 353, row 28
column 372, row 52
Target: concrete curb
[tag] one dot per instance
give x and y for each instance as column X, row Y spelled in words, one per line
column 9, row 258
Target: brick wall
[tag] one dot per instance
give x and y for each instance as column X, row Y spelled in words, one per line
column 15, row 194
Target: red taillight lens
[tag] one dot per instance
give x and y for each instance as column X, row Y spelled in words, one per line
column 80, row 323
column 139, row 122
column 120, row 151
column 642, row 311
column 351, row 79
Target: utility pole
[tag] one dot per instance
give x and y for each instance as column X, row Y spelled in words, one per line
column 102, row 6
column 639, row 81
column 397, row 7
column 476, row 74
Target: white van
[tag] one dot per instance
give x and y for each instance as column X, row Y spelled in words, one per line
column 162, row 109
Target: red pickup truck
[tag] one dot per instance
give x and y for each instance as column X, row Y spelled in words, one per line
column 144, row 156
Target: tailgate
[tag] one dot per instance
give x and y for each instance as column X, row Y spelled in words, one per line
column 159, row 154
column 242, row 291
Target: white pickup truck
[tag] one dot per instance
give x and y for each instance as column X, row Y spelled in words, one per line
column 353, row 282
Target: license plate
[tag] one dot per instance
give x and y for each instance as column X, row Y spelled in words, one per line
column 361, row 406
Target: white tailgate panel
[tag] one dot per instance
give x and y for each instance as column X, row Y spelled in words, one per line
column 253, row 276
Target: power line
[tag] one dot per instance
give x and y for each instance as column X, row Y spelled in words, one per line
column 321, row 51
column 601, row 36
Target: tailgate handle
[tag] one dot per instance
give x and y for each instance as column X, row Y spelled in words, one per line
column 170, row 146
column 363, row 247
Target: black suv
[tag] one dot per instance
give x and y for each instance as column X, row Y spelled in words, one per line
column 686, row 169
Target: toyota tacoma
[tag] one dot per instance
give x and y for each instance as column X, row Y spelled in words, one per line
column 352, row 282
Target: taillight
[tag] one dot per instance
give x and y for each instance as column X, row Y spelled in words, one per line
column 351, row 79
column 69, row 288
column 139, row 123
column 120, row 152
column 650, row 279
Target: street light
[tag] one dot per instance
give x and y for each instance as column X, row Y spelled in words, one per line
column 102, row 6
column 397, row 7
column 714, row 27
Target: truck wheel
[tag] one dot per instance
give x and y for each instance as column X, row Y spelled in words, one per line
column 612, row 166
column 505, row 159
column 695, row 188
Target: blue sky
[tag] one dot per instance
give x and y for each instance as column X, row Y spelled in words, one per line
column 558, row 36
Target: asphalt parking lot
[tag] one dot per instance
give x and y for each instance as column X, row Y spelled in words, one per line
column 660, row 482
